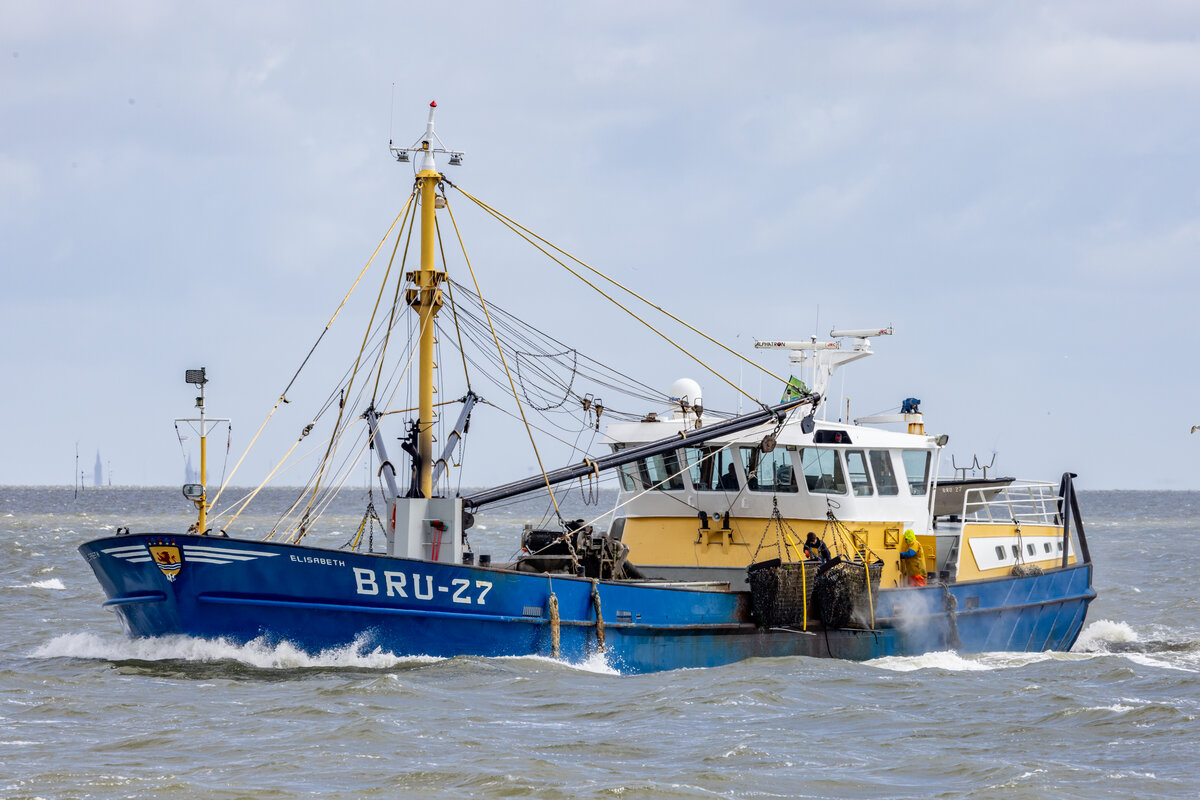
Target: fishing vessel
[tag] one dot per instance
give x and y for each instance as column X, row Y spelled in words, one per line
column 777, row 532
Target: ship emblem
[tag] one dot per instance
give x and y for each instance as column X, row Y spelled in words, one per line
column 167, row 557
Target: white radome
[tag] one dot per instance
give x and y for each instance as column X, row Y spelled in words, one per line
column 686, row 390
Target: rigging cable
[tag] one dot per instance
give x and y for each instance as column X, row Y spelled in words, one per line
column 520, row 230
column 354, row 374
column 395, row 301
column 453, row 306
column 512, row 385
column 283, row 395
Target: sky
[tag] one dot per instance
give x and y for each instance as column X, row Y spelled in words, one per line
column 1012, row 186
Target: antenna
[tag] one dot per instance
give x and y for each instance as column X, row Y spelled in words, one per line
column 425, row 147
column 861, row 333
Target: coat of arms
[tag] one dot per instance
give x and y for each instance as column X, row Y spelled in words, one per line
column 167, row 557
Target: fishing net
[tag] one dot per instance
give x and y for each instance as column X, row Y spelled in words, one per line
column 781, row 592
column 841, row 596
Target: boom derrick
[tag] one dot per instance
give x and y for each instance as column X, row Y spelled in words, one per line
column 729, row 427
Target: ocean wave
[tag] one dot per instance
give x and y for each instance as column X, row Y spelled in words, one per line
column 257, row 653
column 979, row 662
column 49, row 583
column 942, row 659
column 1098, row 635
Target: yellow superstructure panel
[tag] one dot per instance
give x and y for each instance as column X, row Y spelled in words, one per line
column 981, row 540
column 681, row 541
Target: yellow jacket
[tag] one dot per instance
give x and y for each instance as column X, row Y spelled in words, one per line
column 912, row 561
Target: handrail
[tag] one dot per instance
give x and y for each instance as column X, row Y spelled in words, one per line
column 1034, row 502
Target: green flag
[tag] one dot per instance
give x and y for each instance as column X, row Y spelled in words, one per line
column 795, row 388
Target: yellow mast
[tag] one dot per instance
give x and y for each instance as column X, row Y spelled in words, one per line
column 425, row 295
column 426, row 300
column 198, row 492
column 202, row 503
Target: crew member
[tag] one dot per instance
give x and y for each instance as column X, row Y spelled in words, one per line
column 912, row 561
column 815, row 548
column 729, row 480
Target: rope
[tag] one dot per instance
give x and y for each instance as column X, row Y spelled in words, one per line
column 784, row 539
column 283, row 395
column 250, row 497
column 453, row 306
column 950, row 606
column 667, row 479
column 395, row 300
column 552, row 604
column 496, row 339
column 516, row 228
column 843, row 538
column 520, row 229
column 354, row 373
column 599, row 615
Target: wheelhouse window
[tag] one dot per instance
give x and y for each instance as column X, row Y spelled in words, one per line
column 856, row 468
column 662, row 471
column 822, row 470
column 658, row 472
column 916, row 467
column 625, row 471
column 711, row 469
column 885, row 475
column 769, row 472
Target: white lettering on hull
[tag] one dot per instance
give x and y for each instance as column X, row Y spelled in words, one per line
column 398, row 584
column 366, row 581
column 327, row 562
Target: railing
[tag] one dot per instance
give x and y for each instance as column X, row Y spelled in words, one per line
column 1030, row 502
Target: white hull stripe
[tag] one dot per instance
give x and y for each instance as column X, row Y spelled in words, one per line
column 226, row 552
column 138, row 553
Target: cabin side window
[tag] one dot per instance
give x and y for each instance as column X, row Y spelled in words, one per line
column 660, row 472
column 769, row 472
column 885, row 475
column 916, row 467
column 657, row 472
column 711, row 469
column 626, row 472
column 822, row 470
column 856, row 468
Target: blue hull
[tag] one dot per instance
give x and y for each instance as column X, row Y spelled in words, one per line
column 162, row 584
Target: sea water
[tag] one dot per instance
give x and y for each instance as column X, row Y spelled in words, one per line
column 88, row 713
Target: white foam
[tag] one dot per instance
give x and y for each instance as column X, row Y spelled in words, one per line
column 1150, row 661
column 1008, row 660
column 944, row 659
column 49, row 583
column 1098, row 634
column 256, row 653
column 595, row 663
